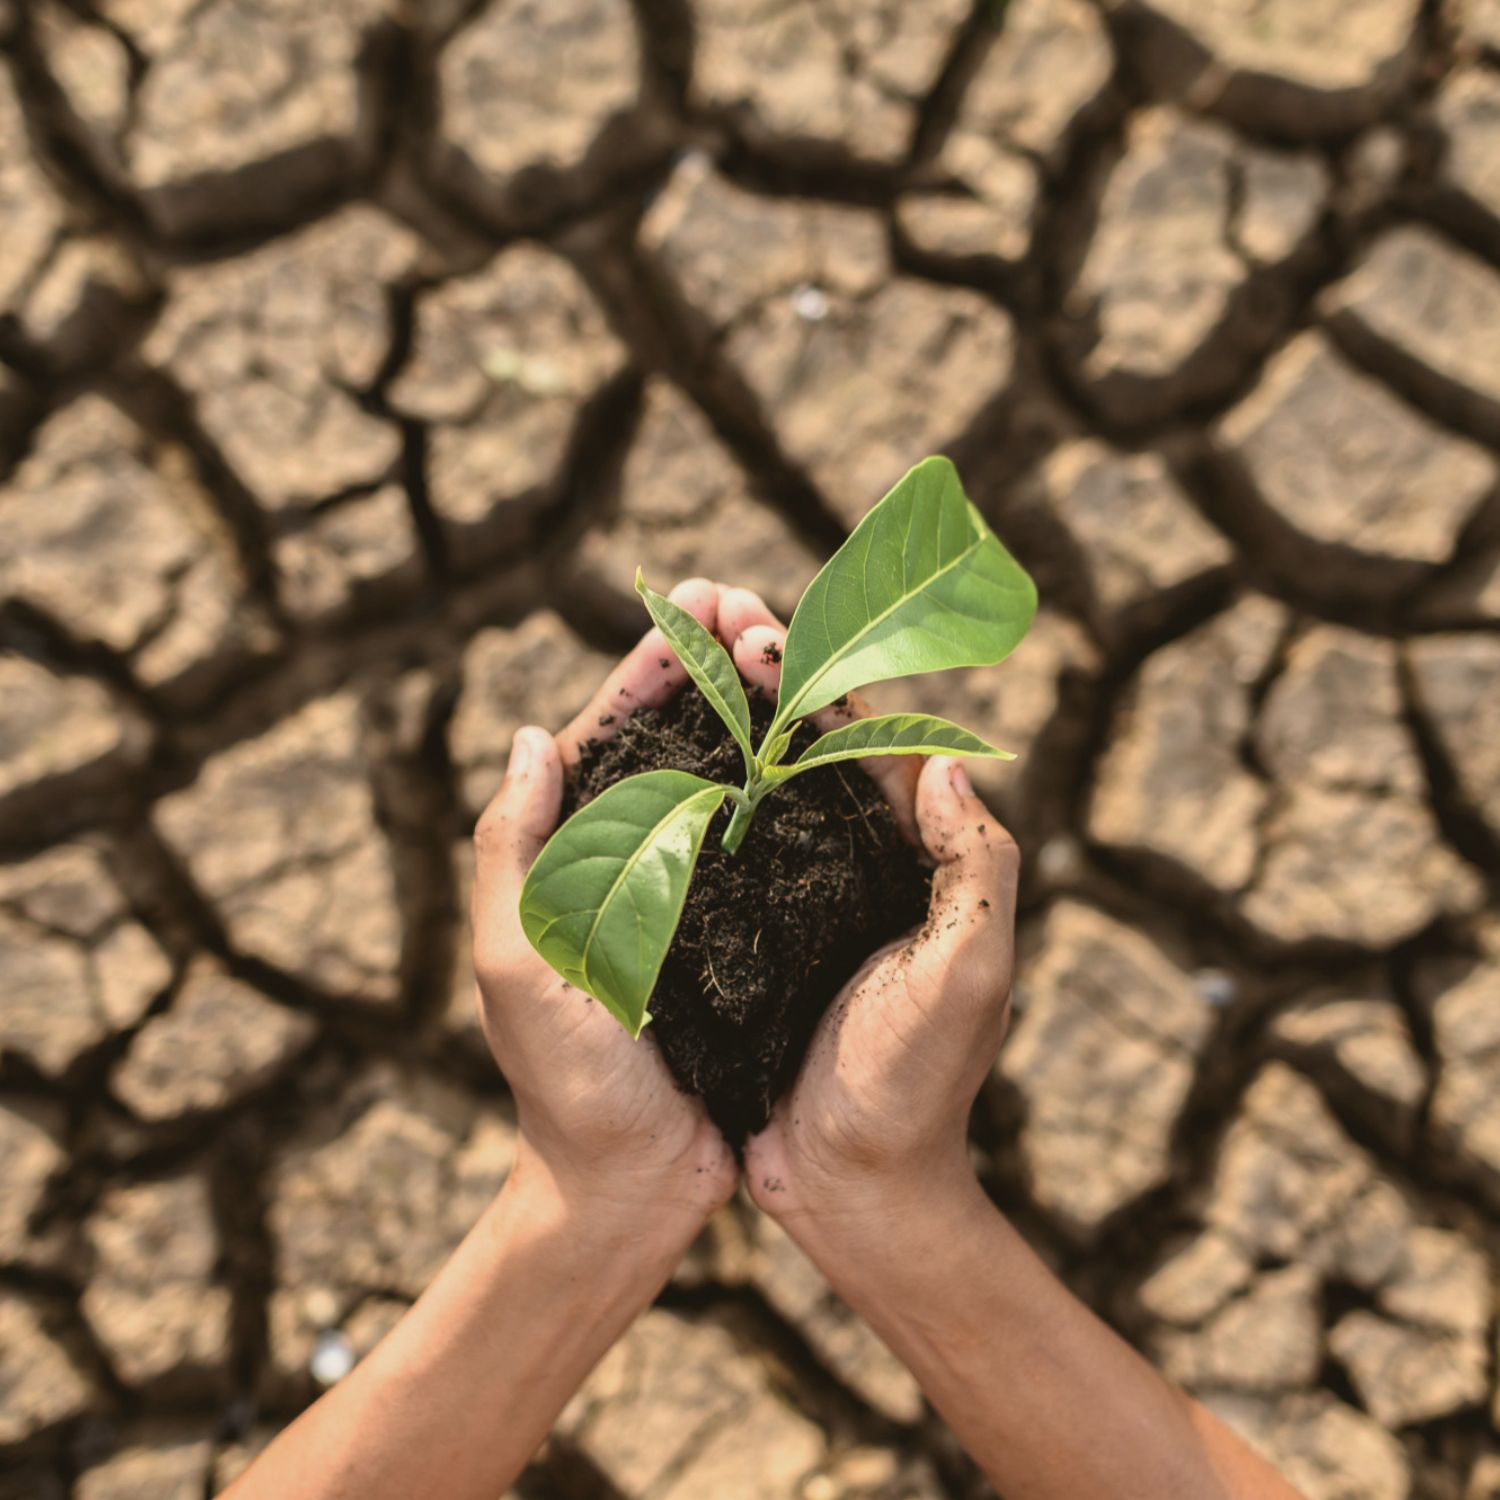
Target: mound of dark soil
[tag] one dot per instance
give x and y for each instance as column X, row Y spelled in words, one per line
column 768, row 936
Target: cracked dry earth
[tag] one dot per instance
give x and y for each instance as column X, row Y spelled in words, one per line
column 351, row 358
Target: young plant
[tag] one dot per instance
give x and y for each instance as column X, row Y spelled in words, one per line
column 921, row 584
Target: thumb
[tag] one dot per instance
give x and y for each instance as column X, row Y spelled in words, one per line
column 967, row 949
column 520, row 817
column 977, row 858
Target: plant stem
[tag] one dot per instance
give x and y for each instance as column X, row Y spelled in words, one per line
column 739, row 825
column 746, row 800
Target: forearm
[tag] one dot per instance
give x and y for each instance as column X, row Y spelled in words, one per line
column 1047, row 1400
column 460, row 1394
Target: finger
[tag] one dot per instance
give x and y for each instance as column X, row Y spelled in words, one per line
column 965, row 954
column 978, row 862
column 646, row 678
column 510, row 833
column 758, row 653
column 958, row 968
column 739, row 610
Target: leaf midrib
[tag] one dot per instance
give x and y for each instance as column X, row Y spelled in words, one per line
column 790, row 711
column 634, row 859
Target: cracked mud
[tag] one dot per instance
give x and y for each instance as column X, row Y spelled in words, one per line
column 338, row 404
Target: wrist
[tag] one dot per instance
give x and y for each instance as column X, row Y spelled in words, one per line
column 649, row 1214
column 909, row 1269
column 831, row 1159
column 860, row 1216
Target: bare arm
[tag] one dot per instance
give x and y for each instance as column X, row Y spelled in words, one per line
column 616, row 1173
column 865, row 1164
column 458, row 1397
column 1043, row 1395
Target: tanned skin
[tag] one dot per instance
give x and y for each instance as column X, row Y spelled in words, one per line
column 864, row 1164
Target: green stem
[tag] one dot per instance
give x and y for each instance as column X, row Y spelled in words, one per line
column 739, row 825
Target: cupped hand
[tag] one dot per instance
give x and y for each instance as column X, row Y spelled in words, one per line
column 878, row 1115
column 598, row 1111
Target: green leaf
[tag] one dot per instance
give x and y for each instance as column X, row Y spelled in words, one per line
column 922, row 584
column 602, row 901
column 892, row 734
column 772, row 751
column 707, row 663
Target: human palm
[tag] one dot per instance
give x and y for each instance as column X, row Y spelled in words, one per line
column 598, row 1108
column 894, row 1065
column 893, row 1068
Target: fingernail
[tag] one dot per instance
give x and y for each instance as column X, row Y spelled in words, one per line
column 521, row 754
column 958, row 779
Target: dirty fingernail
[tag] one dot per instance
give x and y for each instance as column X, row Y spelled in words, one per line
column 958, row 779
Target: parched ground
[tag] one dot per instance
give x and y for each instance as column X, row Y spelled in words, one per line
column 352, row 356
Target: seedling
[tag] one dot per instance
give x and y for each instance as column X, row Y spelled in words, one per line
column 921, row 584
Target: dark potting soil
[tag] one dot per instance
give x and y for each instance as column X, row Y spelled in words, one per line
column 823, row 878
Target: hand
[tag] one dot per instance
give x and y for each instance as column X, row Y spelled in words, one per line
column 878, row 1116
column 598, row 1112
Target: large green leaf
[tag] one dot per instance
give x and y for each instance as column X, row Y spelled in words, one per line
column 707, row 663
column 603, row 899
column 891, row 734
column 922, row 584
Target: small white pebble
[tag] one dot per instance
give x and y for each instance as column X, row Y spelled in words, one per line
column 332, row 1358
column 1215, row 987
column 810, row 304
